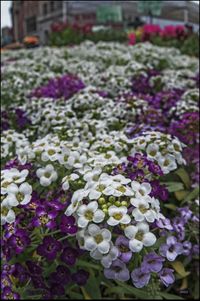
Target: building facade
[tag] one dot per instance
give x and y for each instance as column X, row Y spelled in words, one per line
column 36, row 17
column 24, row 18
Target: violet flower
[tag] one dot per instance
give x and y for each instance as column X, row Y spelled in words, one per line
column 152, row 263
column 62, row 275
column 171, row 249
column 5, row 280
column 125, row 253
column 187, row 248
column 20, row 273
column 33, row 268
column 69, row 256
column 68, row 225
column 139, row 278
column 49, row 248
column 117, row 271
column 164, row 224
column 65, row 86
column 19, row 241
column 167, row 276
column 186, row 213
column 44, row 218
column 80, row 277
column 7, row 294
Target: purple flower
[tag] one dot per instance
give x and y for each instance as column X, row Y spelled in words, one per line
column 5, row 280
column 38, row 282
column 159, row 191
column 62, row 275
column 117, row 271
column 19, row 241
column 187, row 248
column 44, row 218
column 49, row 248
column 152, row 263
column 20, row 273
column 195, row 250
column 57, row 290
column 7, row 294
column 123, row 246
column 178, row 226
column 33, row 268
column 164, row 224
column 67, row 225
column 80, row 277
column 10, row 229
column 171, row 249
column 167, row 276
column 139, row 278
column 65, row 86
column 69, row 256
column 186, row 213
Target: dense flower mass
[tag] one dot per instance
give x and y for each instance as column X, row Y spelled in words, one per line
column 99, row 172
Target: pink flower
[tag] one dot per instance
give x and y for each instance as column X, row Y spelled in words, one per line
column 131, row 38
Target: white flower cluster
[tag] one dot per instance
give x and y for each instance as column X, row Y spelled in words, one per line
column 161, row 148
column 14, row 191
column 189, row 102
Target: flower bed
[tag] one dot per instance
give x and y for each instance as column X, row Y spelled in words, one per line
column 99, row 173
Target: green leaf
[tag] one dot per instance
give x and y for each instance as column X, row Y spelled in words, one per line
column 180, row 195
column 170, row 296
column 174, row 186
column 170, row 206
column 87, row 264
column 76, row 296
column 182, row 173
column 192, row 195
column 158, row 243
column 130, row 289
column 92, row 286
column 179, row 268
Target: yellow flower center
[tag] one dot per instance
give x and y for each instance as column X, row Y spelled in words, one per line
column 98, row 238
column 89, row 215
column 118, row 216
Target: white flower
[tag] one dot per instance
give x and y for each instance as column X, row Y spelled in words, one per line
column 141, row 190
column 77, row 197
column 18, row 195
column 76, row 160
column 47, row 175
column 142, row 211
column 153, row 151
column 139, row 236
column 167, row 163
column 92, row 175
column 66, row 179
column 155, row 205
column 118, row 215
column 7, row 215
column 97, row 239
column 88, row 213
column 50, row 153
column 106, row 260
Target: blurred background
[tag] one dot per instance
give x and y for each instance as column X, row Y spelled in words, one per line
column 41, row 22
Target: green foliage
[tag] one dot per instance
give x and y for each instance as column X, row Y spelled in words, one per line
column 70, row 36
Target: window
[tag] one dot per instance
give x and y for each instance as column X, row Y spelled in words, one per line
column 59, row 4
column 44, row 9
column 31, row 25
column 52, row 6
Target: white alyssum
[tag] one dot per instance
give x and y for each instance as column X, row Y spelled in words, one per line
column 118, row 215
column 97, row 238
column 47, row 175
column 139, row 236
column 89, row 213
